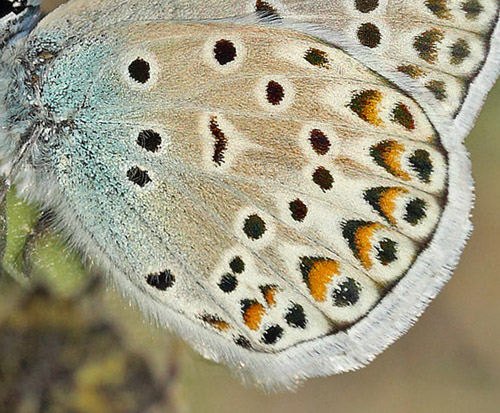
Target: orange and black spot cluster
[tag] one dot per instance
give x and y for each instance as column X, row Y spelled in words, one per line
column 161, row 280
column 140, row 71
column 360, row 237
column 388, row 154
column 317, row 58
column 366, row 6
column 369, row 35
column 216, row 322
column 252, row 312
column 224, row 51
column 365, row 104
column 221, row 141
column 318, row 273
column 383, row 200
column 229, row 281
column 426, row 44
column 269, row 293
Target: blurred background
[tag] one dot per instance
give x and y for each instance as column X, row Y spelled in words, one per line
column 448, row 362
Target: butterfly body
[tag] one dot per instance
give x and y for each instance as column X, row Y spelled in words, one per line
column 248, row 183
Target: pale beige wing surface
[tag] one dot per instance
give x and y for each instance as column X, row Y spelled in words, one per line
column 284, row 185
column 271, row 200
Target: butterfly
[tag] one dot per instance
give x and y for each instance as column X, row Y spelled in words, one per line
column 282, row 183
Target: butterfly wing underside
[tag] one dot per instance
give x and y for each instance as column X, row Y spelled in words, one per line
column 259, row 190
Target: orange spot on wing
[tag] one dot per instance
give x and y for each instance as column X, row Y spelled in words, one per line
column 269, row 292
column 363, row 240
column 320, row 275
column 366, row 105
column 216, row 322
column 388, row 202
column 253, row 314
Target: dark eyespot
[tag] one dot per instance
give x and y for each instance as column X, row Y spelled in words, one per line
column 420, row 162
column 138, row 176
column 386, row 251
column 296, row 317
column 319, row 142
column 272, row 334
column 254, row 227
column 224, row 51
column 220, row 141
column 369, row 35
column 243, row 342
column 298, row 210
column 416, row 211
column 275, row 93
column 161, row 280
column 149, row 140
column 237, row 265
column 265, row 10
column 139, row 70
column 323, row 178
column 317, row 58
column 366, row 6
column 347, row 293
column 228, row 283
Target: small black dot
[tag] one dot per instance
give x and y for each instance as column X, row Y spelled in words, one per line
column 149, row 140
column 298, row 210
column 138, row 176
column 224, row 52
column 386, row 251
column 319, row 142
column 237, row 265
column 420, row 162
column 243, row 342
column 369, row 35
column 275, row 93
column 139, row 70
column 228, row 283
column 265, row 10
column 254, row 227
column 161, row 281
column 416, row 211
column 323, row 178
column 346, row 293
column 460, row 50
column 366, row 6
column 272, row 334
column 295, row 316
